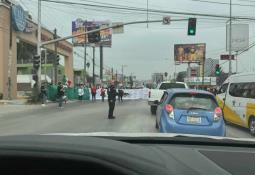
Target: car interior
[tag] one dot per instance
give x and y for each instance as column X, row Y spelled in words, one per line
column 52, row 154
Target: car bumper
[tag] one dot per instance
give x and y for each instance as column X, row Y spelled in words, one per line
column 168, row 125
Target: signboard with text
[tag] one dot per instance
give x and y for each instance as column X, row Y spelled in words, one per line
column 226, row 57
column 80, row 26
column 189, row 53
column 239, row 38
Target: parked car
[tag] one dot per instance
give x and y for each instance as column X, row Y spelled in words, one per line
column 156, row 94
column 190, row 111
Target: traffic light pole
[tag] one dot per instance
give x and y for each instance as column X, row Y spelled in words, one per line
column 55, row 66
column 39, row 47
column 85, row 61
column 230, row 39
column 101, row 63
column 104, row 28
column 93, row 65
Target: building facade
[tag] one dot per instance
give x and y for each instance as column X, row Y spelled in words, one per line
column 18, row 40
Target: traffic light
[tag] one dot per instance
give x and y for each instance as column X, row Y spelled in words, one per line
column 35, row 77
column 57, row 60
column 95, row 36
column 192, row 26
column 36, row 62
column 217, row 70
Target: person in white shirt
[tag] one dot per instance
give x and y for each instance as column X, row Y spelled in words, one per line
column 80, row 92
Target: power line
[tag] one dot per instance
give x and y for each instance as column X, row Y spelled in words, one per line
column 145, row 10
column 224, row 3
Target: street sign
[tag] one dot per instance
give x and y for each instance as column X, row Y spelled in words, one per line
column 166, row 20
column 239, row 38
column 226, row 57
column 118, row 30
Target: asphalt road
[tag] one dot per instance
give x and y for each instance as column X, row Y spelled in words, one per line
column 76, row 117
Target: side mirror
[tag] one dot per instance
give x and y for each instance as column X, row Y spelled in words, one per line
column 156, row 102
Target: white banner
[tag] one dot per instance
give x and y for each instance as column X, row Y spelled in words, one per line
column 130, row 94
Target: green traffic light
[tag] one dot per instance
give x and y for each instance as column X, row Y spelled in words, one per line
column 191, row 31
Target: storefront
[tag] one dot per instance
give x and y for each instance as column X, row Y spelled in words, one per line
column 18, row 40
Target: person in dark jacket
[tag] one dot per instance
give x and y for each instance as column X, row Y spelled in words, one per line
column 120, row 94
column 111, row 91
column 61, row 93
column 43, row 95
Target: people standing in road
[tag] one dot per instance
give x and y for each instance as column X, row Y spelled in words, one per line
column 111, row 91
column 80, row 92
column 61, row 93
column 43, row 95
column 93, row 92
column 102, row 93
column 120, row 94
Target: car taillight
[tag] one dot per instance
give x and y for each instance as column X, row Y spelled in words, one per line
column 170, row 110
column 149, row 94
column 217, row 114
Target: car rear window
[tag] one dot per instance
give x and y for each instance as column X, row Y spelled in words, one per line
column 165, row 86
column 193, row 100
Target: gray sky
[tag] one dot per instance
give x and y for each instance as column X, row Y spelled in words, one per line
column 147, row 50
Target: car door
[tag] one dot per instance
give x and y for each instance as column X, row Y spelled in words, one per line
column 233, row 104
column 161, row 106
column 221, row 94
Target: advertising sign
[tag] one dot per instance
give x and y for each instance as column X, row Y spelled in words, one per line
column 77, row 28
column 80, row 26
column 18, row 18
column 239, row 38
column 189, row 53
column 199, row 81
column 226, row 57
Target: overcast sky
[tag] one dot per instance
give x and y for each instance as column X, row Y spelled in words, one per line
column 148, row 50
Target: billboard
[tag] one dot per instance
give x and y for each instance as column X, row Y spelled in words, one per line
column 189, row 53
column 240, row 37
column 77, row 28
column 80, row 26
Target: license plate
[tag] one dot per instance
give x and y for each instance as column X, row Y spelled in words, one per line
column 194, row 120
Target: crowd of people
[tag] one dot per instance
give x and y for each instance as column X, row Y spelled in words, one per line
column 110, row 91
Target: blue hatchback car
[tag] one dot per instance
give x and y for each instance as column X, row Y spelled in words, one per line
column 189, row 111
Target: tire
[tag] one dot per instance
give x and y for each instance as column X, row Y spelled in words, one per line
column 252, row 125
column 153, row 110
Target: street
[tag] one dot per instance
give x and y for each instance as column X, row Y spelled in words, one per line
column 76, row 117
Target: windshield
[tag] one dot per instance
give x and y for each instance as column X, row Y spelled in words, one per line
column 165, row 86
column 92, row 66
column 189, row 101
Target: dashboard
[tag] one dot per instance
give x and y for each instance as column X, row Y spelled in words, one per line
column 49, row 154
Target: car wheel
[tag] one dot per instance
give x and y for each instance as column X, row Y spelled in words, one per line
column 153, row 110
column 252, row 125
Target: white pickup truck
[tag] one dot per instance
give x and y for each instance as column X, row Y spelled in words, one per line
column 156, row 94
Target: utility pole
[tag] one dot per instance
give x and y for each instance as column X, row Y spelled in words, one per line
column 45, row 62
column 236, row 62
column 101, row 63
column 116, row 75
column 85, row 60
column 93, row 64
column 112, row 73
column 147, row 13
column 230, row 38
column 39, row 45
column 122, row 74
column 55, row 66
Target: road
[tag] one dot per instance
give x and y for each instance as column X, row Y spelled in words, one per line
column 76, row 117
